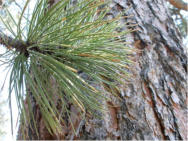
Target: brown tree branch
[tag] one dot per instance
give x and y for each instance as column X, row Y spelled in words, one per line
column 179, row 4
column 19, row 45
column 9, row 42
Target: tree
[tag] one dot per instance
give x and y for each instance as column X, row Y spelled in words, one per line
column 180, row 18
column 153, row 104
column 52, row 49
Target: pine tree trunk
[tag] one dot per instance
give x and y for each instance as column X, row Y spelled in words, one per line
column 154, row 103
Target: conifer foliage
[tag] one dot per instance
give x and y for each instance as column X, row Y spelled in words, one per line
column 58, row 43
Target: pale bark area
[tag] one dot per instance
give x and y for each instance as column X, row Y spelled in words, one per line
column 154, row 103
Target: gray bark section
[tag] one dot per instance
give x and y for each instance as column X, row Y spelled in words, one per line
column 154, row 104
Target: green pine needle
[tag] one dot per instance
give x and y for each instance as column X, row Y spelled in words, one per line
column 63, row 41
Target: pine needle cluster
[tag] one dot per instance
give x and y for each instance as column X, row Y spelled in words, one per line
column 57, row 44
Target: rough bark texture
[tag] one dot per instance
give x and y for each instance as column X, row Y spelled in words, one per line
column 154, row 103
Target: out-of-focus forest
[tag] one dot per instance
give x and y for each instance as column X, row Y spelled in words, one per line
column 180, row 17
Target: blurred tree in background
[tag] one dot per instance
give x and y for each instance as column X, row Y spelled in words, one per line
column 180, row 20
column 180, row 15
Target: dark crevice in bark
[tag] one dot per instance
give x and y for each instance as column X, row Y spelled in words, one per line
column 152, row 11
column 168, row 68
column 177, row 133
column 151, row 87
column 134, row 7
column 157, row 114
column 142, row 43
column 178, row 89
column 177, row 50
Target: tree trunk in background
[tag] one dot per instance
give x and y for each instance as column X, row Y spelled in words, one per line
column 154, row 103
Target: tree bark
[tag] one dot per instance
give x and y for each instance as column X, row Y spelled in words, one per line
column 154, row 102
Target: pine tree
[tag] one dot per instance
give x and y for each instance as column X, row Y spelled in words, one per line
column 95, row 100
column 50, row 55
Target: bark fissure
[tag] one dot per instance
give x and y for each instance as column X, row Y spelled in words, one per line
column 154, row 108
column 159, row 116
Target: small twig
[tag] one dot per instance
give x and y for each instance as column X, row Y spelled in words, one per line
column 9, row 42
